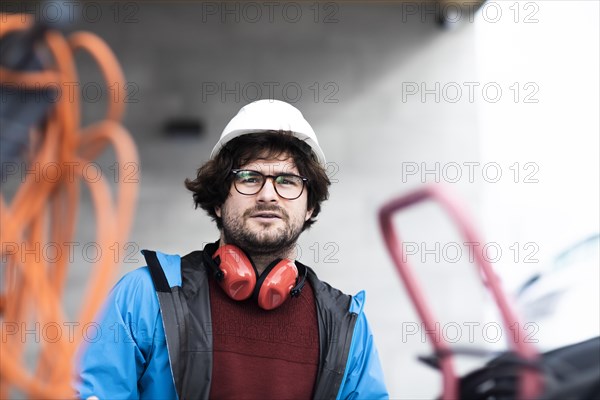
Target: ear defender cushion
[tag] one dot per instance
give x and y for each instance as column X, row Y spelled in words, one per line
column 275, row 284
column 239, row 276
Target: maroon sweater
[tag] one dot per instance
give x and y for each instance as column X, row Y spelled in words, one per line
column 260, row 354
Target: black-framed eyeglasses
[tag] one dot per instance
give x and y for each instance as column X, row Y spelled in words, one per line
column 287, row 186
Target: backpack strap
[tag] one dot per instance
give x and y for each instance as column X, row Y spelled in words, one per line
column 161, row 284
column 173, row 309
column 185, row 312
column 336, row 329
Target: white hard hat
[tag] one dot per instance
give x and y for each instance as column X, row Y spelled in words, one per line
column 266, row 115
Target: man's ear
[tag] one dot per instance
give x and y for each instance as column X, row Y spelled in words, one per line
column 308, row 214
column 218, row 211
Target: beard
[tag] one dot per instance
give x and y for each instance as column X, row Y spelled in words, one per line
column 261, row 239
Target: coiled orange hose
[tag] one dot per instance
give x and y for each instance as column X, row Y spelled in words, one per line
column 44, row 211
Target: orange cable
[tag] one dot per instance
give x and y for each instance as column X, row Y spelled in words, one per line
column 44, row 212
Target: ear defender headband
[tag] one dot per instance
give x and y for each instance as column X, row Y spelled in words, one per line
column 238, row 277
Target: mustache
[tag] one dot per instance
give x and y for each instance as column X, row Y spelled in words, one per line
column 267, row 208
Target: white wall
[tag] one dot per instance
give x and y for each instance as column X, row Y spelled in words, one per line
column 556, row 54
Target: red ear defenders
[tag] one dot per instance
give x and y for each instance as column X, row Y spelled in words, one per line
column 239, row 278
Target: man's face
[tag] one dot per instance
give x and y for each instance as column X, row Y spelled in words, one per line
column 264, row 223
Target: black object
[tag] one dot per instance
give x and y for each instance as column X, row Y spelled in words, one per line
column 183, row 126
column 570, row 372
column 22, row 108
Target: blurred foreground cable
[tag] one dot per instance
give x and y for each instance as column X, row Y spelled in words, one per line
column 44, row 211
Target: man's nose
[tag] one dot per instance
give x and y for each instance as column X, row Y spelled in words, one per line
column 268, row 193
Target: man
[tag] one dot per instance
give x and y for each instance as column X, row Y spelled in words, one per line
column 240, row 319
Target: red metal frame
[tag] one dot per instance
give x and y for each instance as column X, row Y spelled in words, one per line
column 530, row 382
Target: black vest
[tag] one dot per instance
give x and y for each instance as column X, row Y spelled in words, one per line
column 187, row 322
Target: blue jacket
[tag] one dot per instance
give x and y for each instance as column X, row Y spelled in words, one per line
column 125, row 353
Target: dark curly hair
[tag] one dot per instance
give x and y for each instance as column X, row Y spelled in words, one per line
column 213, row 181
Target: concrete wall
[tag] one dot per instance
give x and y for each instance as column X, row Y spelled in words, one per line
column 352, row 67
